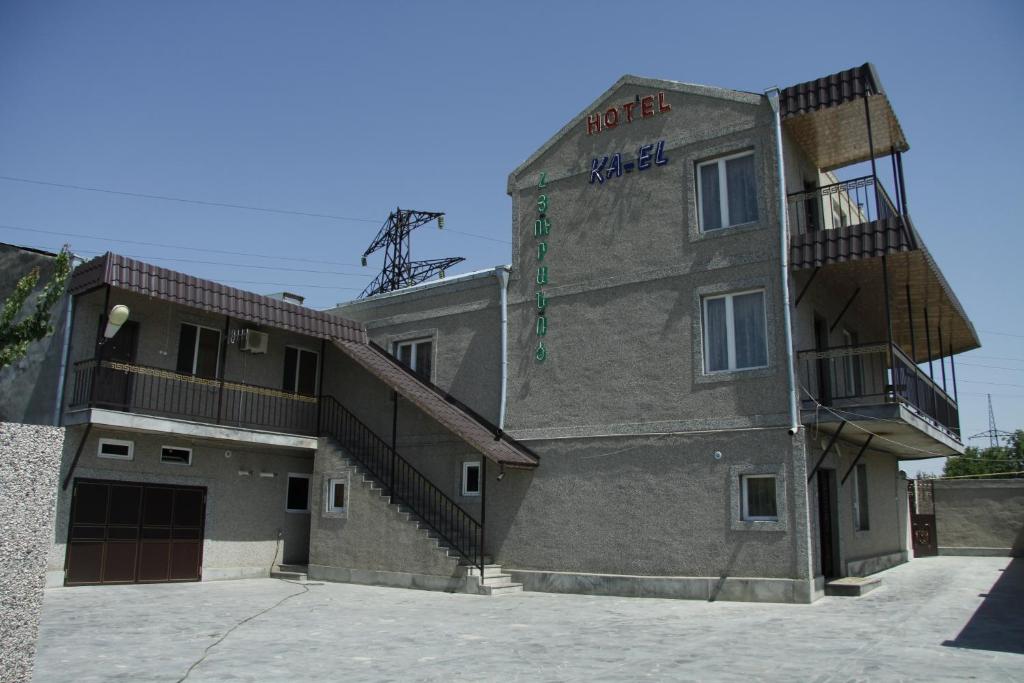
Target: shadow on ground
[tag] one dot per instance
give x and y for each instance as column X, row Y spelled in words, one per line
column 998, row 624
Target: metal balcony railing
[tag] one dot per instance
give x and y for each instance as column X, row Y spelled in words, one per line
column 155, row 391
column 866, row 374
column 839, row 205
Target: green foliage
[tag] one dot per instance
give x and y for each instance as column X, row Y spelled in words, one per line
column 17, row 332
column 998, row 462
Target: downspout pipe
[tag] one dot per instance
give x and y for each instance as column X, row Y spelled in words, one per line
column 501, row 272
column 69, row 314
column 787, row 323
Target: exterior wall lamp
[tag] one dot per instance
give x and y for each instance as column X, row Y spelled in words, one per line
column 118, row 316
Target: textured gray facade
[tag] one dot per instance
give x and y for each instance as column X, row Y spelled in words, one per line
column 29, row 463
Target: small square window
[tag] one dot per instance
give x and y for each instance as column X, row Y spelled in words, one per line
column 759, row 498
column 471, row 478
column 297, row 498
column 116, row 449
column 174, row 455
column 336, row 495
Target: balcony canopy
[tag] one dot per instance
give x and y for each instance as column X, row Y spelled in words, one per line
column 827, row 118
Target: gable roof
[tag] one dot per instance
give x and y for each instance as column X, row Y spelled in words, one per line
column 629, row 79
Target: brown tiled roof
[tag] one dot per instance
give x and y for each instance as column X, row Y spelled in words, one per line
column 350, row 336
column 169, row 285
column 830, row 91
column 849, row 243
column 428, row 398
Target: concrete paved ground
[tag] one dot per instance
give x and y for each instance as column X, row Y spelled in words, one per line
column 938, row 618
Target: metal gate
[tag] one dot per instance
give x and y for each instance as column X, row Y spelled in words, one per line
column 922, row 517
column 128, row 532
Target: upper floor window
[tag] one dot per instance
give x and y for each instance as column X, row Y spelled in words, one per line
column 198, row 350
column 735, row 334
column 417, row 354
column 727, row 191
column 300, row 370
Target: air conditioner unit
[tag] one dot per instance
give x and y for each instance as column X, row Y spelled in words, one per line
column 255, row 342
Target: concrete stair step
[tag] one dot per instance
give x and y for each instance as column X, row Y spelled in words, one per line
column 301, row 568
column 852, row 586
column 301, row 577
column 505, row 589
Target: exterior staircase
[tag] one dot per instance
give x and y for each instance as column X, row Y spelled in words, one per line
column 493, row 582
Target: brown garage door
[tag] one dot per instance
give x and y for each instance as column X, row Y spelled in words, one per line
column 124, row 532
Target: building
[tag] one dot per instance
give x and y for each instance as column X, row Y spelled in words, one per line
column 695, row 379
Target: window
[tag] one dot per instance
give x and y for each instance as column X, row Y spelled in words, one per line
column 115, row 449
column 860, row 500
column 727, row 191
column 173, row 455
column 300, row 371
column 758, row 498
column 471, row 478
column 417, row 354
column 297, row 497
column 198, row 350
column 336, row 495
column 735, row 335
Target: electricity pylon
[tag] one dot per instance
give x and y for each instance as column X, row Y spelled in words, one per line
column 399, row 269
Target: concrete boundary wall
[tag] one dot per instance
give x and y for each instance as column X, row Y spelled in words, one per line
column 29, row 463
column 979, row 517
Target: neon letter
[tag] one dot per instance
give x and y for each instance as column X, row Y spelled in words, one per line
column 593, row 124
column 647, row 106
column 663, row 106
column 659, row 154
column 611, row 118
column 628, row 106
column 595, row 170
column 643, row 157
column 542, row 275
column 542, row 248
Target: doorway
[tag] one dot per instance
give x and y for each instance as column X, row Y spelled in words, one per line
column 827, row 523
column 112, row 387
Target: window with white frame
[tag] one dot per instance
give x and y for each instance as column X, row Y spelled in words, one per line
column 727, row 191
column 175, row 455
column 735, row 332
column 861, row 518
column 116, row 449
column 336, row 495
column 417, row 354
column 300, row 370
column 471, row 472
column 198, row 350
column 297, row 495
column 758, row 498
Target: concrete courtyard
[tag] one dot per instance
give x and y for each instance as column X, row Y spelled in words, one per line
column 941, row 618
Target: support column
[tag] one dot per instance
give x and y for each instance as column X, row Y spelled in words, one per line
column 910, row 314
column 222, row 367
column 483, row 513
column 942, row 360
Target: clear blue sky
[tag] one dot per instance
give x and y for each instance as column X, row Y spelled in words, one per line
column 351, row 109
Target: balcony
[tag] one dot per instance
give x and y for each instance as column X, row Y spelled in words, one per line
column 144, row 390
column 878, row 388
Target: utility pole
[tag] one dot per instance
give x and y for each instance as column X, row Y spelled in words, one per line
column 399, row 269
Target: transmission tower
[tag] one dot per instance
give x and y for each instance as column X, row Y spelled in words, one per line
column 993, row 435
column 399, row 269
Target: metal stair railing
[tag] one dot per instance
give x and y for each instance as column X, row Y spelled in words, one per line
column 407, row 485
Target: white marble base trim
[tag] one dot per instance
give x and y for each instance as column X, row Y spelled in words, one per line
column 233, row 573
column 872, row 565
column 733, row 588
column 371, row 577
column 977, row 552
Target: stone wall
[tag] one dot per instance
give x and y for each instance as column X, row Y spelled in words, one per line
column 980, row 517
column 29, row 462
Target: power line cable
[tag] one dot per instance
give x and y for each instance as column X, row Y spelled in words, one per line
column 170, row 246
column 226, row 205
column 993, row 367
column 1003, row 334
column 995, row 384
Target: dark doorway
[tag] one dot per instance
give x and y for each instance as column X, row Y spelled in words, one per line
column 812, row 207
column 921, row 495
column 112, row 386
column 827, row 518
column 125, row 532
